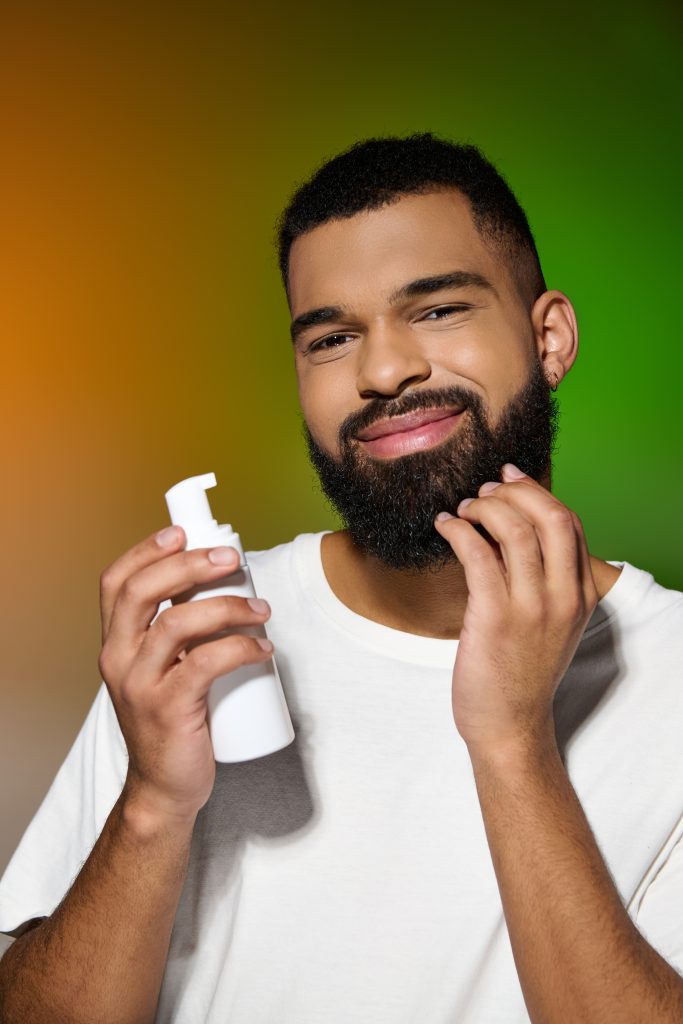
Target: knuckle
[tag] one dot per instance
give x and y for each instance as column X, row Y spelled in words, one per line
column 207, row 659
column 252, row 649
column 104, row 662
column 130, row 589
column 521, row 533
column 573, row 608
column 127, row 693
column 561, row 516
column 577, row 523
column 246, row 645
column 107, row 580
column 169, row 621
column 201, row 658
column 568, row 606
column 197, row 560
column 232, row 604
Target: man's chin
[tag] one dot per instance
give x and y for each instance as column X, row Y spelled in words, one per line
column 387, row 505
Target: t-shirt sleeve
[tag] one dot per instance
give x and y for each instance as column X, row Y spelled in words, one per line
column 64, row 829
column 659, row 915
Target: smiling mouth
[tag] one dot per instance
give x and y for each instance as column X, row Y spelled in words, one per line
column 408, row 421
column 407, row 440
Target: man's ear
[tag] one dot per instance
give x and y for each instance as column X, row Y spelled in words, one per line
column 556, row 333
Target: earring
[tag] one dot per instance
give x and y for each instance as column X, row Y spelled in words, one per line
column 556, row 381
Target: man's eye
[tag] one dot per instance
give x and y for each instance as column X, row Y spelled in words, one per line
column 447, row 309
column 331, row 338
column 323, row 341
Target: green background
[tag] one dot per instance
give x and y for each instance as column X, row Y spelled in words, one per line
column 148, row 150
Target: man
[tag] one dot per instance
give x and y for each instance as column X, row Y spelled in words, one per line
column 480, row 817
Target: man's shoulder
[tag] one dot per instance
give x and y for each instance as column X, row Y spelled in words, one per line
column 640, row 598
column 279, row 551
column 285, row 558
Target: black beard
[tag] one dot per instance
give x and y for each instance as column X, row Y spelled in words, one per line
column 389, row 505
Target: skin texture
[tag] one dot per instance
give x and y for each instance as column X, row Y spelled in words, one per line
column 518, row 592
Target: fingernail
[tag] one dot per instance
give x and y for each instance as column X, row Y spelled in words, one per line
column 167, row 536
column 510, row 470
column 489, row 486
column 442, row 516
column 265, row 644
column 257, row 604
column 464, row 503
column 222, row 556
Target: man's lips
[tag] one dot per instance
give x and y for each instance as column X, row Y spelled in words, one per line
column 416, row 439
column 400, row 424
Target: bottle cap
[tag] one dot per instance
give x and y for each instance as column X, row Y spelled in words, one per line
column 189, row 507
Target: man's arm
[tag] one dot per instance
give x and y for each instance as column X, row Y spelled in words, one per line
column 101, row 955
column 579, row 956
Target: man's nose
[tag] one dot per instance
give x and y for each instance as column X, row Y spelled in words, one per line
column 390, row 359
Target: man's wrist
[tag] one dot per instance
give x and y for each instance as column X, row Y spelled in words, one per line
column 147, row 817
column 522, row 752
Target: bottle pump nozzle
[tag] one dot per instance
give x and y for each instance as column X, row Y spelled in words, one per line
column 189, row 507
column 188, row 504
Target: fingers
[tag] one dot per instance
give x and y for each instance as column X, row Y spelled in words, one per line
column 150, row 550
column 518, row 541
column 140, row 593
column 541, row 541
column 179, row 625
column 557, row 529
column 210, row 660
column 476, row 555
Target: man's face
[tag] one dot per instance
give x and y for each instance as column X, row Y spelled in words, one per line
column 466, row 348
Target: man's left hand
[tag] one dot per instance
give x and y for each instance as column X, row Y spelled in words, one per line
column 530, row 595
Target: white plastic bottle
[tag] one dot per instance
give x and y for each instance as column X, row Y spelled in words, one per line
column 248, row 714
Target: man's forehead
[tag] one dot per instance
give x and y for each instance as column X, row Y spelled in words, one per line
column 412, row 237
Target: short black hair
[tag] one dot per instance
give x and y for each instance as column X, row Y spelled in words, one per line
column 377, row 171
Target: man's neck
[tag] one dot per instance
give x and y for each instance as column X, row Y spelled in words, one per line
column 427, row 604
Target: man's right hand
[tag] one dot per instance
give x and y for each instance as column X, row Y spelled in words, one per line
column 158, row 688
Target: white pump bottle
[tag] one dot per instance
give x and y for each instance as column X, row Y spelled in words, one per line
column 248, row 714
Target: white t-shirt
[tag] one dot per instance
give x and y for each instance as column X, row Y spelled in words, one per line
column 347, row 876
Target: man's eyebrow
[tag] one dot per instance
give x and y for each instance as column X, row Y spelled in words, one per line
column 421, row 286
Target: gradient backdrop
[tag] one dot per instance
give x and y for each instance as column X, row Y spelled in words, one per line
column 146, row 153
